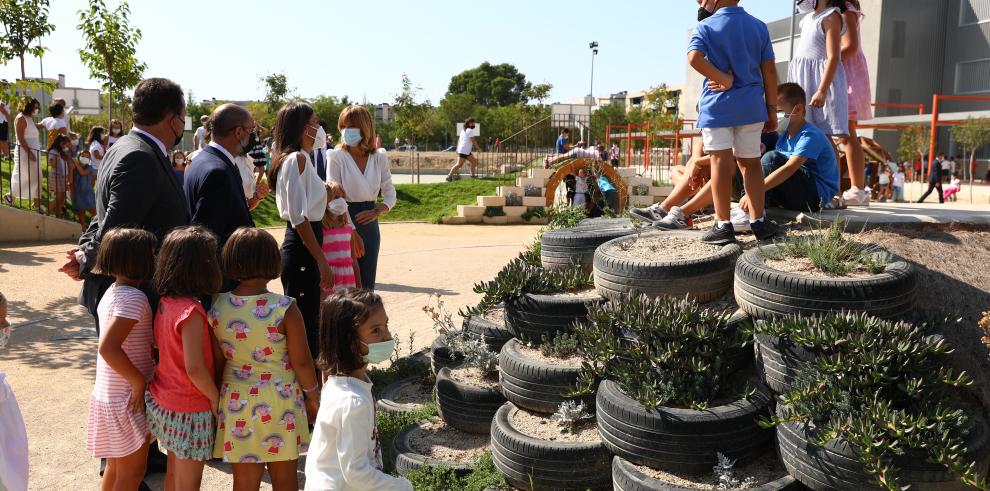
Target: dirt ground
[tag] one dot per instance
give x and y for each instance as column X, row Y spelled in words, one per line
column 50, row 361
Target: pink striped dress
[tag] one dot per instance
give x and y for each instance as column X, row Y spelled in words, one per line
column 113, row 430
column 337, row 251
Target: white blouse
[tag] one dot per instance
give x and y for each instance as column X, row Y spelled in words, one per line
column 299, row 196
column 358, row 187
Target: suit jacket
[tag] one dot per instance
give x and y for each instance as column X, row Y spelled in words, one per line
column 136, row 187
column 215, row 195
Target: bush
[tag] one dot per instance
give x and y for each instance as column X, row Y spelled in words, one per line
column 513, row 199
column 675, row 358
column 832, row 253
column 563, row 216
column 882, row 387
column 520, row 277
column 563, row 345
column 483, row 476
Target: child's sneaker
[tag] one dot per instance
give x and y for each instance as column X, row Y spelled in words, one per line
column 650, row 214
column 674, row 220
column 765, row 229
column 719, row 234
column 856, row 197
column 740, row 220
column 837, row 203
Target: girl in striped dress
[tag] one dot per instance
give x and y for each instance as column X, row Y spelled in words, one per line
column 117, row 429
column 337, row 232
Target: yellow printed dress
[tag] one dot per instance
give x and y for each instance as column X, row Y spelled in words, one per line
column 262, row 417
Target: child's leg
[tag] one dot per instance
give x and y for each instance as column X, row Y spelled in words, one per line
column 109, row 476
column 187, row 474
column 247, row 477
column 682, row 189
column 357, row 273
column 128, row 471
column 753, row 182
column 854, row 157
column 457, row 166
column 474, row 164
column 283, row 474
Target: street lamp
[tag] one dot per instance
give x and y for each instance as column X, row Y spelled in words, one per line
column 594, row 51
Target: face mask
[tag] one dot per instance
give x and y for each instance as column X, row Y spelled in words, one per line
column 703, row 14
column 178, row 136
column 805, row 6
column 784, row 122
column 337, row 206
column 351, row 136
column 75, row 142
column 114, row 131
column 379, row 352
column 84, row 160
column 321, row 139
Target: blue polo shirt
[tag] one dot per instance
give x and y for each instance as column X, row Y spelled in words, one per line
column 605, row 185
column 735, row 41
column 561, row 144
column 812, row 144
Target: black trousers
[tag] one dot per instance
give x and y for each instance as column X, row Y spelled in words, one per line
column 301, row 281
column 932, row 186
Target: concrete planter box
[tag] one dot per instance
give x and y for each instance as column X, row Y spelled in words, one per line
column 491, row 200
column 514, row 211
column 534, row 201
column 502, row 220
column 470, row 211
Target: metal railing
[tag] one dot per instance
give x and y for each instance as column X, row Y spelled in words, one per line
column 25, row 182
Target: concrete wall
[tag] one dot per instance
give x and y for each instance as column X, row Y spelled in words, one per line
column 26, row 226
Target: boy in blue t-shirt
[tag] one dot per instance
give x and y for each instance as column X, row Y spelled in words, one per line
column 562, row 146
column 732, row 50
column 801, row 174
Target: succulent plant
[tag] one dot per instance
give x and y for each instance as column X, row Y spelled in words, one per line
column 569, row 415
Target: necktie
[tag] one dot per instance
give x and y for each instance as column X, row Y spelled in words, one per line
column 321, row 165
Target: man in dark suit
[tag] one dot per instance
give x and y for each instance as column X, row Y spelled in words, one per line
column 213, row 187
column 935, row 179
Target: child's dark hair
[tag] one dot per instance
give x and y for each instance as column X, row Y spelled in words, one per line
column 565, row 131
column 792, row 93
column 251, row 253
column 187, row 264
column 127, row 252
column 840, row 4
column 340, row 316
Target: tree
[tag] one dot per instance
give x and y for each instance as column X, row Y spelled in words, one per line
column 538, row 92
column 455, row 108
column 972, row 134
column 24, row 22
column 492, row 85
column 413, row 118
column 111, row 44
column 277, row 89
column 328, row 109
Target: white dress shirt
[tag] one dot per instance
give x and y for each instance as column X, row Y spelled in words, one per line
column 358, row 187
column 299, row 196
column 161, row 146
column 344, row 453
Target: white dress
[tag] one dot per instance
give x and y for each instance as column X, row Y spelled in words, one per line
column 807, row 70
column 25, row 181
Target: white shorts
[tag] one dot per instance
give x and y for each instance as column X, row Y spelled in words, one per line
column 744, row 141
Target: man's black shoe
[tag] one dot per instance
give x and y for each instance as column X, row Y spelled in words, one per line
column 765, row 229
column 720, row 234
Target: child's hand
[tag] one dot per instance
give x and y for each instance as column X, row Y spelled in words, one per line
column 722, row 86
column 136, row 402
column 818, row 100
column 214, row 403
column 312, row 406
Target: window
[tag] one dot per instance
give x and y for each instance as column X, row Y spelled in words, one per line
column 973, row 12
column 900, row 39
column 973, row 76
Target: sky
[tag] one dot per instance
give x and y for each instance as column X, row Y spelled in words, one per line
column 220, row 48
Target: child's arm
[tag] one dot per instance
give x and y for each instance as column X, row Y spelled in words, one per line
column 301, row 359
column 112, row 351
column 192, row 330
column 720, row 80
column 357, row 272
column 354, row 445
column 769, row 70
column 219, row 360
column 850, row 40
column 833, row 53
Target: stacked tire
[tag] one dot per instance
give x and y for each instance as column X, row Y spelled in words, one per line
column 530, row 317
column 560, row 248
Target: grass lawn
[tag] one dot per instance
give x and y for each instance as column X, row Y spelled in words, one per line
column 416, row 202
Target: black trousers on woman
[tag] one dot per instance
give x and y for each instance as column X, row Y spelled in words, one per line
column 301, row 281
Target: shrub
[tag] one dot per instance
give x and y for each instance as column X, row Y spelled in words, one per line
column 881, row 386
column 725, row 477
column 494, row 211
column 569, row 415
column 831, row 252
column 674, row 357
column 531, row 191
column 449, row 333
column 478, row 356
column 641, row 190
column 520, row 277
column 513, row 199
column 534, row 212
column 483, row 476
column 563, row 216
column 563, row 345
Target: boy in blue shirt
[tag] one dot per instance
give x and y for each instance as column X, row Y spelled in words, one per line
column 562, row 146
column 801, row 174
column 732, row 50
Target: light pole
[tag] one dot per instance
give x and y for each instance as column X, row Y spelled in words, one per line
column 594, row 51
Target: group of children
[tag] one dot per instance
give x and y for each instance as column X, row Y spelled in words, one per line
column 234, row 378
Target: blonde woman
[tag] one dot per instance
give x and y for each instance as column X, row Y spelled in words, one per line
column 358, row 171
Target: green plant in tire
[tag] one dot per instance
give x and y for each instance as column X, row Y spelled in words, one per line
column 563, row 345
column 520, row 277
column 673, row 354
column 449, row 333
column 725, row 476
column 478, row 356
column 570, row 415
column 483, row 476
column 831, row 252
column 882, row 387
column 563, row 216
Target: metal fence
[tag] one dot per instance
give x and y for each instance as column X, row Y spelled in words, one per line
column 27, row 179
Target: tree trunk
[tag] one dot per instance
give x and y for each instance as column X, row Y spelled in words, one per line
column 110, row 110
column 23, row 77
column 972, row 160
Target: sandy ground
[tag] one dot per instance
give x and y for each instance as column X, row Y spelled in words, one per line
column 50, row 361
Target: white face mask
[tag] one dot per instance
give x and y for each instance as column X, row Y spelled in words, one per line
column 321, row 139
column 84, row 160
column 784, row 122
column 114, row 131
column 805, row 6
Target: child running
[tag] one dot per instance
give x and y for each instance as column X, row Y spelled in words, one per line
column 117, row 429
column 337, row 233
column 183, row 396
column 269, row 391
column 346, row 452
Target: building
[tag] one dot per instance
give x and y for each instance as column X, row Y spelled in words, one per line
column 630, row 101
column 384, row 112
column 914, row 49
column 85, row 102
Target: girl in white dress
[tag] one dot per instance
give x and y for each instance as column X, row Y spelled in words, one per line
column 817, row 65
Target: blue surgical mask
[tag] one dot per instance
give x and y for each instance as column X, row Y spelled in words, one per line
column 379, row 352
column 351, row 136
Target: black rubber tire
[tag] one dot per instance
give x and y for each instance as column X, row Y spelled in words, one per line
column 605, row 223
column 835, row 466
column 558, row 248
column 532, row 464
column 406, row 460
column 704, row 279
column 779, row 361
column 767, row 293
column 385, row 401
column 466, row 407
column 494, row 335
column 442, row 356
column 626, row 477
column 534, row 386
column 681, row 439
column 530, row 316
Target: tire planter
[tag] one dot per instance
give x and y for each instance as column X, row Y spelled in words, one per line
column 835, row 466
column 605, row 223
column 626, row 477
column 530, row 385
column 530, row 316
column 765, row 293
column 704, row 279
column 533, row 464
column 559, row 247
column 494, row 334
column 779, row 361
column 467, row 407
column 681, row 439
column 442, row 356
column 406, row 459
column 386, row 399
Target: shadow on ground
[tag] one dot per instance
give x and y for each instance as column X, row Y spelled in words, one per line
column 392, row 287
column 58, row 335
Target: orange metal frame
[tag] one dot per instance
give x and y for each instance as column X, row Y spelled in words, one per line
column 936, row 98
column 647, row 130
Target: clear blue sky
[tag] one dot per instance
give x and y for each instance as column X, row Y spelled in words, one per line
column 219, row 48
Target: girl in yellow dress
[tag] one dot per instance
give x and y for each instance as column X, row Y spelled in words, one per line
column 269, row 390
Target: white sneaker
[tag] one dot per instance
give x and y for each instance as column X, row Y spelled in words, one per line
column 740, row 222
column 856, row 197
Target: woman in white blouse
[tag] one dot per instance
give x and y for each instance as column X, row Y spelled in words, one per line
column 358, row 171
column 301, row 198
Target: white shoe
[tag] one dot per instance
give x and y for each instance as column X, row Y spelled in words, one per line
column 856, row 197
column 740, row 222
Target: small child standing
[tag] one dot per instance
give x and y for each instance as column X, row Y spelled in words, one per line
column 266, row 361
column 337, row 233
column 953, row 188
column 898, row 183
column 883, row 181
column 14, row 468
column 732, row 49
column 183, row 395
column 346, row 451
column 83, row 193
column 117, row 429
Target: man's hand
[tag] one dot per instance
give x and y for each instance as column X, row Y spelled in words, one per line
column 261, row 190
column 71, row 266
